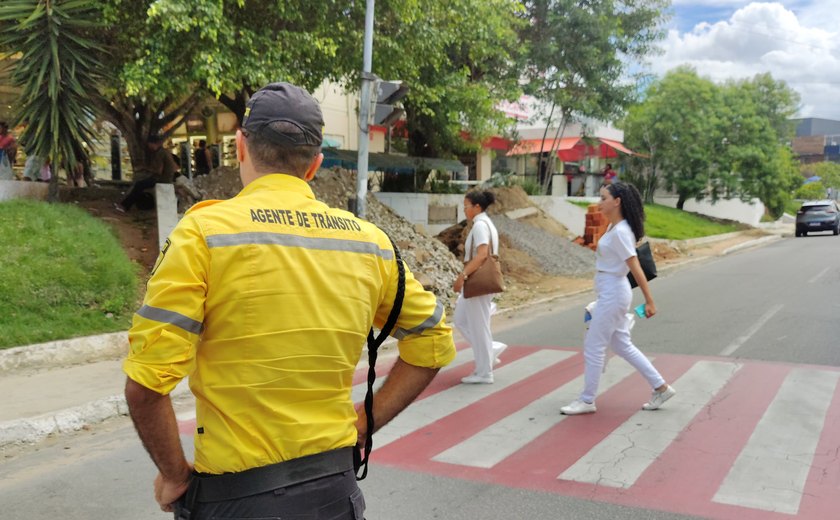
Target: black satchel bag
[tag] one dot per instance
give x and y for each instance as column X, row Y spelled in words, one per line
column 360, row 458
column 645, row 256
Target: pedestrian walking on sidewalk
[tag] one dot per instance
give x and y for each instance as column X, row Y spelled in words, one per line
column 472, row 315
column 615, row 256
column 265, row 301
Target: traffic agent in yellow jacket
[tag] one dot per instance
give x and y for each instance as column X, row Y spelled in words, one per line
column 265, row 301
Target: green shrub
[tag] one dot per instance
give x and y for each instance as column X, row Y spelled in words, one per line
column 63, row 274
column 810, row 191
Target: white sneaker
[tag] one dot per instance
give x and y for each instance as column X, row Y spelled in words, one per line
column 474, row 379
column 498, row 348
column 657, row 399
column 578, row 407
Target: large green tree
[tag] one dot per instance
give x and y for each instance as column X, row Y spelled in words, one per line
column 459, row 58
column 231, row 48
column 677, row 126
column 582, row 58
column 755, row 123
column 716, row 141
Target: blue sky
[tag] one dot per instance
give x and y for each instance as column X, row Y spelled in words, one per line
column 797, row 41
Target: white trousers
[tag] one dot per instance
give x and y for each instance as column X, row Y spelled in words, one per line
column 610, row 326
column 472, row 319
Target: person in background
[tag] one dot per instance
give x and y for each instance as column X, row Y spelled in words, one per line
column 8, row 145
column 609, row 174
column 32, row 167
column 472, row 315
column 202, row 158
column 622, row 206
column 159, row 168
column 264, row 301
column 45, row 173
column 8, row 151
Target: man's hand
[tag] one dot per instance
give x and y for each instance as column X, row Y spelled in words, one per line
column 168, row 491
column 154, row 420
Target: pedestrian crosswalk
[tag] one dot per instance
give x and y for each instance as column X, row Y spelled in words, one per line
column 742, row 439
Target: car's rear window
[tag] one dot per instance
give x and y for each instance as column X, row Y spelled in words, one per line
column 806, row 209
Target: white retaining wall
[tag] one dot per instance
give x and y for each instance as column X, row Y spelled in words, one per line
column 733, row 209
column 563, row 211
column 414, row 207
column 23, row 190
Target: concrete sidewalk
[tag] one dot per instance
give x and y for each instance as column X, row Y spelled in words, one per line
column 69, row 385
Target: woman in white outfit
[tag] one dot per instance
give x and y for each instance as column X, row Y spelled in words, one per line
column 472, row 315
column 622, row 206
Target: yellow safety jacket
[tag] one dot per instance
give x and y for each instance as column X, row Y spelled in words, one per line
column 265, row 301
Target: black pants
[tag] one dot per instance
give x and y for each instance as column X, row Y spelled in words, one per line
column 136, row 189
column 336, row 497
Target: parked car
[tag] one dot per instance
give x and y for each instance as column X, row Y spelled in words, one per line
column 818, row 215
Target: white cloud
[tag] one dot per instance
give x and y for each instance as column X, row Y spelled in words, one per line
column 767, row 37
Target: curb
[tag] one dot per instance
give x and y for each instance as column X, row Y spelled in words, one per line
column 750, row 244
column 32, row 430
column 65, row 352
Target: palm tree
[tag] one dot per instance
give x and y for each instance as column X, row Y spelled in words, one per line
column 55, row 64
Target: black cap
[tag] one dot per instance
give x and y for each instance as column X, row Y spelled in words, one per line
column 284, row 102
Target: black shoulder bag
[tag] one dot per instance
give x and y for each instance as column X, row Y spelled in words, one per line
column 645, row 256
column 373, row 344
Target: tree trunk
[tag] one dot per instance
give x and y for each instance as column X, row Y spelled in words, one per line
column 237, row 102
column 681, row 201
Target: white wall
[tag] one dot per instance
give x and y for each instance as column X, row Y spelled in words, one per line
column 23, row 190
column 414, row 207
column 733, row 209
column 568, row 214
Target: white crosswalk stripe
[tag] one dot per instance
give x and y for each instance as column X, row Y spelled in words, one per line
column 500, row 440
column 449, row 401
column 626, row 453
column 771, row 470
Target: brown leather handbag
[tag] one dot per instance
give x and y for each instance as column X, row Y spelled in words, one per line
column 487, row 279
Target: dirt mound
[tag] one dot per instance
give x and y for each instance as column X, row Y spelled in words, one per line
column 221, row 183
column 509, row 199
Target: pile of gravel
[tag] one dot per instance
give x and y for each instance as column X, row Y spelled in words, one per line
column 556, row 255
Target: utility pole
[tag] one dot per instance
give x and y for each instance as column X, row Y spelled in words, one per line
column 364, row 113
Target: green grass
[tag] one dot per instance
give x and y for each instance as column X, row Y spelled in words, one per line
column 62, row 274
column 674, row 224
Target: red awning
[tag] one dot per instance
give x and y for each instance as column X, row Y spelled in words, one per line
column 573, row 149
column 617, row 146
column 530, row 146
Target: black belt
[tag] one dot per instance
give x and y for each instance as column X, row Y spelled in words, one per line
column 230, row 486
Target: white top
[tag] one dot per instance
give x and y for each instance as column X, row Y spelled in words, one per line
column 481, row 233
column 614, row 248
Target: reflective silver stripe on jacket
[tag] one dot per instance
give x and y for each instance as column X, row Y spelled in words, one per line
column 430, row 322
column 324, row 244
column 171, row 317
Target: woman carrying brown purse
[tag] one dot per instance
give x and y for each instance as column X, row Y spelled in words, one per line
column 472, row 315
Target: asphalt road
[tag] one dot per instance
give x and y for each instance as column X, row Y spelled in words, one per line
column 779, row 302
column 776, row 303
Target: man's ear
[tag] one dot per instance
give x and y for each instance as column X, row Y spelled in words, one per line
column 240, row 146
column 313, row 167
